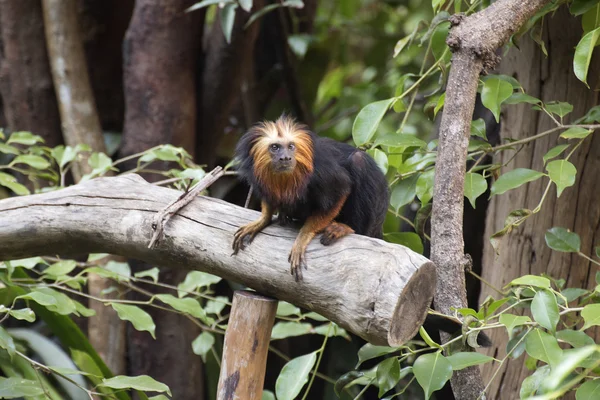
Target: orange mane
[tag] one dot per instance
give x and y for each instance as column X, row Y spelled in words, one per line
column 285, row 188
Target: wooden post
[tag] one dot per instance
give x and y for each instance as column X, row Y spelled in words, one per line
column 246, row 346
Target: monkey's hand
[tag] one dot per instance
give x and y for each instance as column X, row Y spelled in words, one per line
column 246, row 234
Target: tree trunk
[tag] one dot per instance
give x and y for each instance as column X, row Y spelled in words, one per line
column 222, row 74
column 160, row 52
column 524, row 251
column 26, row 85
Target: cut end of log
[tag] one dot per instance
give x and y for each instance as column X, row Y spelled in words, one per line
column 411, row 308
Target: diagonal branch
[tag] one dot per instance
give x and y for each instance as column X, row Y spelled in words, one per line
column 474, row 41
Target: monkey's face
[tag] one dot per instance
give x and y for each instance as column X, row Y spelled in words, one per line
column 283, row 156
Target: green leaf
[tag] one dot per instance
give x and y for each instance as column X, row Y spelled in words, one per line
column 10, row 182
column 560, row 239
column 63, row 155
column 6, row 149
column 388, row 374
column 202, row 344
column 511, row 321
column 513, row 179
column 246, row 5
column 283, row 330
column 399, row 140
column 100, row 163
column 573, row 293
column 520, row 97
column 227, row 17
column 408, row 239
column 380, row 158
column 370, row 351
column 570, row 361
column 543, row 346
column 152, row 273
column 591, row 315
column 52, row 300
column 401, row 44
column 463, row 360
column 293, row 376
column 579, row 7
column 285, row 309
column 427, row 339
column 544, row 309
column 440, row 103
column 554, row 152
column 583, row 54
column 206, row 3
column 33, row 161
column 574, row 338
column 185, row 305
column 424, row 186
column 367, row 121
column 495, row 91
column 196, row 280
column 559, row 108
column 589, row 390
column 26, row 138
column 575, row 132
column 24, row 314
column 562, row 173
column 532, row 280
column 141, row 320
column 475, row 186
column 432, row 372
column 61, row 268
column 11, row 388
column 334, row 330
column 216, row 306
column 478, row 128
column 7, row 342
column 403, row 192
column 141, row 382
column 591, row 19
column 299, row 43
column 268, row 395
column 533, row 382
column 438, row 41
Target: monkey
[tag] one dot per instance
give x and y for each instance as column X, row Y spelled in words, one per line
column 330, row 187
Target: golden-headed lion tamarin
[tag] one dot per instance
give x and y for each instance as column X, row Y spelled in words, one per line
column 330, row 187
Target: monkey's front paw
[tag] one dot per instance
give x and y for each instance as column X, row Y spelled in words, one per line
column 243, row 237
column 297, row 260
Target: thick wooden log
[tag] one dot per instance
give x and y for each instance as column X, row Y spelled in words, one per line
column 377, row 290
column 246, row 346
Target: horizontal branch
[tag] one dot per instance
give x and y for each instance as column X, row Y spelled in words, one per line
column 377, row 290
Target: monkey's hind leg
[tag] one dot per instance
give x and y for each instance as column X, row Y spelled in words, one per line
column 248, row 232
column 335, row 231
column 313, row 225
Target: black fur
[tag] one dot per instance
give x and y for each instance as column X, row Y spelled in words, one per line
column 338, row 170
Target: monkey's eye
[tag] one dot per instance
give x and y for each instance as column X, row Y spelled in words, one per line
column 274, row 147
column 292, row 147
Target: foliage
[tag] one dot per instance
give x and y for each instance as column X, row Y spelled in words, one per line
column 401, row 93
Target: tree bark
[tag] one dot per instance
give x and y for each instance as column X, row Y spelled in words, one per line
column 474, row 41
column 379, row 291
column 81, row 125
column 160, row 54
column 222, row 76
column 104, row 23
column 524, row 251
column 246, row 346
column 26, row 87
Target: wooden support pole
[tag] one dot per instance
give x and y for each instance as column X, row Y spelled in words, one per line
column 246, row 346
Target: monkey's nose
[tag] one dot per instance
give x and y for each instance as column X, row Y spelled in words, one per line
column 285, row 159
